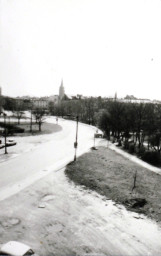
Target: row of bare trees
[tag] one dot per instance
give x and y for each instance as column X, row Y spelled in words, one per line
column 18, row 108
column 141, row 121
column 136, row 126
column 87, row 109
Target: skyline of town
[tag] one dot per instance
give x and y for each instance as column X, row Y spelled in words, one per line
column 106, row 51
column 62, row 95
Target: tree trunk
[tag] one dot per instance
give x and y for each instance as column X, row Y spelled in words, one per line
column 39, row 126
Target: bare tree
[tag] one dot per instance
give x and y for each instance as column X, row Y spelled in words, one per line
column 19, row 107
column 39, row 116
column 139, row 116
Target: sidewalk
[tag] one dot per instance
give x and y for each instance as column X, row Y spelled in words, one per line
column 131, row 157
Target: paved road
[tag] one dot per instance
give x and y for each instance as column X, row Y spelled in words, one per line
column 52, row 152
column 58, row 218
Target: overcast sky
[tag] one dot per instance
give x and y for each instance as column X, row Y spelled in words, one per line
column 98, row 47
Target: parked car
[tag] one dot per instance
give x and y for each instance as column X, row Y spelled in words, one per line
column 98, row 134
column 9, row 143
column 16, row 249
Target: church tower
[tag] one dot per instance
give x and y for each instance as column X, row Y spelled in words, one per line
column 115, row 96
column 61, row 91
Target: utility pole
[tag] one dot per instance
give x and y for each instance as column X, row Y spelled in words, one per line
column 94, row 140
column 5, row 133
column 31, row 122
column 76, row 138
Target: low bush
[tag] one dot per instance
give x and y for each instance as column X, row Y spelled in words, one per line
column 141, row 151
column 119, row 143
column 131, row 148
column 152, row 157
column 126, row 144
column 11, row 129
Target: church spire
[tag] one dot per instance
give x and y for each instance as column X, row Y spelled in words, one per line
column 61, row 91
column 115, row 96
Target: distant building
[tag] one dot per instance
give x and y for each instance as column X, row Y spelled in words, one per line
column 136, row 100
column 1, row 100
column 73, row 97
column 133, row 99
column 130, row 97
column 54, row 99
column 40, row 103
column 61, row 91
column 80, row 96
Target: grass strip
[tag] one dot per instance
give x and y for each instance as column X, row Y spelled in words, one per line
column 113, row 176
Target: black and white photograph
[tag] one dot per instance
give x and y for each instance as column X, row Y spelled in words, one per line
column 80, row 127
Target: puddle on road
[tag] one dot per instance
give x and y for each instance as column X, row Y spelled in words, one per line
column 10, row 222
column 47, row 198
column 41, row 206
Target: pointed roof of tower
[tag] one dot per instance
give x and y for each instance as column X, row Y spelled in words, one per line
column 61, row 91
column 62, row 83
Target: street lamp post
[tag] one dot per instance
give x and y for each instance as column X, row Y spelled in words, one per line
column 31, row 122
column 31, row 112
column 76, row 139
column 94, row 140
column 5, row 133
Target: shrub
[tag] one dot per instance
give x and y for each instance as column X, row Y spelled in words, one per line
column 126, row 144
column 15, row 130
column 131, row 148
column 11, row 129
column 119, row 143
column 113, row 140
column 151, row 157
column 141, row 151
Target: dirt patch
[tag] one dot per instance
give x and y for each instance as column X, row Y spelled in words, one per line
column 112, row 175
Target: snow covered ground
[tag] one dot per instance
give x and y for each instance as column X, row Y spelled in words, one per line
column 45, row 210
